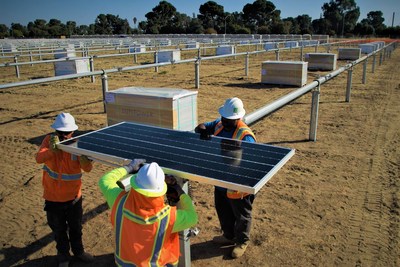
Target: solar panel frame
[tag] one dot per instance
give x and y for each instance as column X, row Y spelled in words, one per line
column 236, row 165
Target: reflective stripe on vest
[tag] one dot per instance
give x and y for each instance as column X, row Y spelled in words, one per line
column 163, row 216
column 66, row 177
column 240, row 132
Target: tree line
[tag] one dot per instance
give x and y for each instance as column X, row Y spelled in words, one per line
column 338, row 18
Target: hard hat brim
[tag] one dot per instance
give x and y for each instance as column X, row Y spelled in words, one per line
column 64, row 129
column 147, row 192
column 223, row 113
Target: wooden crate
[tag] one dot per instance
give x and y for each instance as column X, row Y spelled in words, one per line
column 349, row 53
column 164, row 107
column 321, row 61
column 71, row 67
column 284, row 72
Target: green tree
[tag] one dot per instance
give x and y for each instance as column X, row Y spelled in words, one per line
column 18, row 31
column 260, row 13
column 212, row 15
column 342, row 15
column 305, row 25
column 55, row 28
column 162, row 17
column 364, row 28
column 38, row 29
column 4, row 31
column 375, row 19
column 195, row 26
column 102, row 25
column 71, row 28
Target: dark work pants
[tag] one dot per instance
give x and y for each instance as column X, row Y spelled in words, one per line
column 234, row 215
column 65, row 219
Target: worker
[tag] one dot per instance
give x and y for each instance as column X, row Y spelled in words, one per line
column 62, row 184
column 233, row 208
column 146, row 229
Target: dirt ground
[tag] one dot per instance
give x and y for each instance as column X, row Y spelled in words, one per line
column 335, row 203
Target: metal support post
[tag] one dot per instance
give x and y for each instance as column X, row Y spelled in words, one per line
column 104, row 85
column 364, row 76
column 349, row 82
column 277, row 55
column 91, row 62
column 316, row 48
column 380, row 58
column 184, row 236
column 197, row 73
column 384, row 54
column 135, row 58
column 16, row 66
column 40, row 54
column 373, row 63
column 328, row 48
column 246, row 65
column 301, row 53
column 198, row 53
column 156, row 61
column 30, row 57
column 314, row 114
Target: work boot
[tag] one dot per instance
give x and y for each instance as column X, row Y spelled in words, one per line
column 85, row 257
column 239, row 250
column 222, row 240
column 63, row 259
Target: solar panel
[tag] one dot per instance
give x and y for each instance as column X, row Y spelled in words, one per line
column 221, row 162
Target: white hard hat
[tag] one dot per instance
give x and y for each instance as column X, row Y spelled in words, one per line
column 232, row 109
column 150, row 181
column 65, row 123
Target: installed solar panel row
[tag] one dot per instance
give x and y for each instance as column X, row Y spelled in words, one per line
column 222, row 162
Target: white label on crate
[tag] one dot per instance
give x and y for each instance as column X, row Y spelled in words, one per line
column 110, row 98
column 263, row 72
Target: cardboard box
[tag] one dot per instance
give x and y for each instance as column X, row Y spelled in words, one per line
column 168, row 56
column 270, row 45
column 291, row 44
column 349, row 53
column 137, row 48
column 225, row 50
column 164, row 107
column 71, row 67
column 321, row 61
column 192, row 45
column 64, row 52
column 284, row 72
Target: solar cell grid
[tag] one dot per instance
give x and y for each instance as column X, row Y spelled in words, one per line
column 222, row 162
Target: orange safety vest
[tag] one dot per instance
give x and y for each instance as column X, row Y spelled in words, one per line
column 61, row 173
column 143, row 231
column 240, row 132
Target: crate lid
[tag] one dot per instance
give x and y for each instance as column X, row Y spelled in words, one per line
column 173, row 93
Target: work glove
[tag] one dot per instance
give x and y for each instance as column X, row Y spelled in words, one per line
column 52, row 143
column 201, row 129
column 174, row 190
column 84, row 160
column 134, row 165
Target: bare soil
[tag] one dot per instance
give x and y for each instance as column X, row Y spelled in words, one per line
column 335, row 203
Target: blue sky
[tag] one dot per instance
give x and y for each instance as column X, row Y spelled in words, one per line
column 86, row 11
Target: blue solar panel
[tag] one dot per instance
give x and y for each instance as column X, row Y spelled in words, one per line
column 222, row 162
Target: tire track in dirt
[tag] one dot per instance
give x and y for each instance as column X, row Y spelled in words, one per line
column 374, row 229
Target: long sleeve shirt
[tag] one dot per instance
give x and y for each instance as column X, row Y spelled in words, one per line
column 186, row 215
